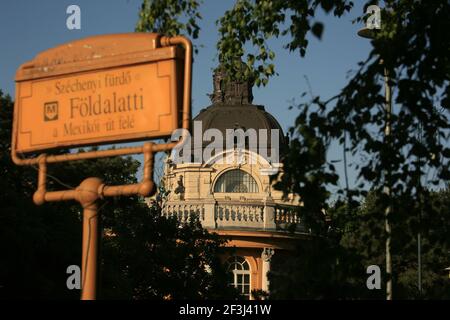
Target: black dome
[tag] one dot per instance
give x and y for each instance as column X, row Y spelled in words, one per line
column 232, row 108
column 222, row 117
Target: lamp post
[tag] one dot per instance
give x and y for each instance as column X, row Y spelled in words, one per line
column 369, row 33
column 419, row 233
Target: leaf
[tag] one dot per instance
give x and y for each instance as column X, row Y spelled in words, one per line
column 317, row 30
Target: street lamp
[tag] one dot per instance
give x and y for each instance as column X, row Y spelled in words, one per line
column 370, row 34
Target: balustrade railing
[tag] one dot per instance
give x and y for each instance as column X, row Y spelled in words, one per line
column 183, row 211
column 286, row 214
column 239, row 215
column 236, row 215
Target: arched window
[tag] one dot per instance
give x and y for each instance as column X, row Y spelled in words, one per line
column 238, row 271
column 236, row 181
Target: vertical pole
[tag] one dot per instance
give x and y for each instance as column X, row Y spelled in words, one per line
column 89, row 252
column 419, row 262
column 387, row 189
column 368, row 33
column 388, row 252
column 419, row 241
column 419, row 234
column 88, row 193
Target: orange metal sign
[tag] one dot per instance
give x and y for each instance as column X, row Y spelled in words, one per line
column 103, row 89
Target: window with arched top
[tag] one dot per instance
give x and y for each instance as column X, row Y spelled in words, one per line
column 238, row 271
column 236, row 181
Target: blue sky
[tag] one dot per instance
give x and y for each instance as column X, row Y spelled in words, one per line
column 29, row 27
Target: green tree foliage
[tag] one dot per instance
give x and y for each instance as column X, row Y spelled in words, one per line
column 37, row 243
column 143, row 255
column 334, row 265
column 170, row 17
column 310, row 273
column 362, row 234
column 255, row 22
column 147, row 256
column 413, row 50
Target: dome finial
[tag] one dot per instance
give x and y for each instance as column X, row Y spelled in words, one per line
column 230, row 91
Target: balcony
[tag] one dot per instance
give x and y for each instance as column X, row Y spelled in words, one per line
column 266, row 216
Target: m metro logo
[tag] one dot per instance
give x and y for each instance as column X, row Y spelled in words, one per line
column 51, row 111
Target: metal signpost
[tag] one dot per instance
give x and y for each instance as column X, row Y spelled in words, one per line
column 100, row 90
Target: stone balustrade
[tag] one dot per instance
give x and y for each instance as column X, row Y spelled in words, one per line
column 237, row 215
column 183, row 211
column 286, row 215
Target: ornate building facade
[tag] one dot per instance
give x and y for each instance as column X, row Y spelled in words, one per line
column 231, row 191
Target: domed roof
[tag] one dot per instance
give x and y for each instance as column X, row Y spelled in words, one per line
column 243, row 116
column 232, row 108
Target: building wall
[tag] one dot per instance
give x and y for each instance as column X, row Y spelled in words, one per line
column 199, row 179
column 194, row 192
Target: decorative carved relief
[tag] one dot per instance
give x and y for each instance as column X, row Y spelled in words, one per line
column 179, row 190
column 267, row 254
